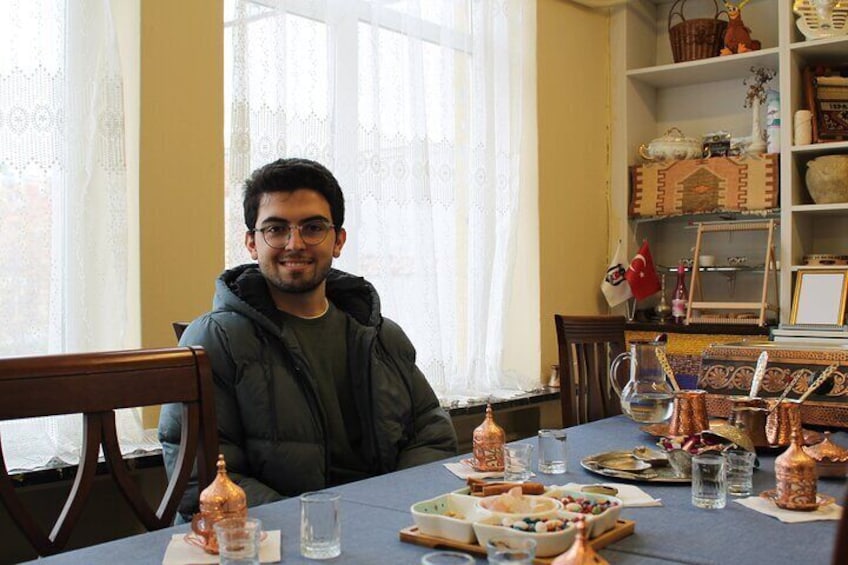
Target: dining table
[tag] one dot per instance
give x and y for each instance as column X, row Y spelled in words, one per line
column 375, row 510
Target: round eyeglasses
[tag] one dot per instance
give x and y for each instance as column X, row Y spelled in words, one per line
column 312, row 232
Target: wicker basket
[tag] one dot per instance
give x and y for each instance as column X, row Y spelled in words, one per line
column 695, row 39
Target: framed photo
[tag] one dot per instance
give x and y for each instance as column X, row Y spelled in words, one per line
column 826, row 90
column 820, row 297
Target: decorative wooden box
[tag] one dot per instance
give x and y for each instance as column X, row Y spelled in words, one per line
column 726, row 370
column 699, row 186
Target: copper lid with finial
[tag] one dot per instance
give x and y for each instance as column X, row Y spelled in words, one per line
column 831, row 459
column 223, row 498
column 488, row 444
column 580, row 552
column 796, row 477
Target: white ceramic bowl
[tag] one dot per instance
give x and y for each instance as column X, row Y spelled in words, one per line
column 547, row 543
column 596, row 524
column 530, row 506
column 448, row 516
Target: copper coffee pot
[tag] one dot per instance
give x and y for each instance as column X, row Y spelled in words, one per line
column 689, row 414
column 749, row 414
column 784, row 418
column 796, row 477
column 221, row 499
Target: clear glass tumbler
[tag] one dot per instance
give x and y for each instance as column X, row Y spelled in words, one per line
column 709, row 481
column 511, row 550
column 447, row 558
column 238, row 540
column 517, row 462
column 740, row 471
column 320, row 525
column 552, row 452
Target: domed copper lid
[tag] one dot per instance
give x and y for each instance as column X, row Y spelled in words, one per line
column 487, row 444
column 223, row 496
column 827, row 451
column 580, row 553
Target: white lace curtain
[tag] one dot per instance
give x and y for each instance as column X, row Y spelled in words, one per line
column 63, row 203
column 416, row 107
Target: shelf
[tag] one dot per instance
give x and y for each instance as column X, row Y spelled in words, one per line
column 727, row 269
column 817, row 149
column 705, row 70
column 821, row 209
column 828, row 51
column 692, row 220
column 817, row 267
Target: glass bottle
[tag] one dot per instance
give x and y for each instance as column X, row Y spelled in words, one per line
column 680, row 297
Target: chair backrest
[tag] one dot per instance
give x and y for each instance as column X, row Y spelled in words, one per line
column 587, row 346
column 840, row 550
column 179, row 328
column 94, row 385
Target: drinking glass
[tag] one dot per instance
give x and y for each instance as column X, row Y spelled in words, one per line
column 709, row 489
column 238, row 540
column 447, row 558
column 552, row 452
column 517, row 462
column 514, row 551
column 320, row 525
column 740, row 471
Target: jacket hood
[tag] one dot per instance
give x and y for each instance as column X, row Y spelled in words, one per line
column 243, row 289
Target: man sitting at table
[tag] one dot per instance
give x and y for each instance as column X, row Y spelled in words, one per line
column 313, row 386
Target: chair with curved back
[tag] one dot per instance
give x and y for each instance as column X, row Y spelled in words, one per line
column 840, row 550
column 95, row 385
column 587, row 346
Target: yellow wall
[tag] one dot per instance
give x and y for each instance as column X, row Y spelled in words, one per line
column 181, row 175
column 574, row 121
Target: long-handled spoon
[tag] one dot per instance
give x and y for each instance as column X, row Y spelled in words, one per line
column 787, row 390
column 759, row 373
column 818, row 382
column 667, row 368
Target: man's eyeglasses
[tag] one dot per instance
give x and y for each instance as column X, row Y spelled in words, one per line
column 312, row 232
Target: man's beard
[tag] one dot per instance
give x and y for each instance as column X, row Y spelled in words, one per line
column 298, row 286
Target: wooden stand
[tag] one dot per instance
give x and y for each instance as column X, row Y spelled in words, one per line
column 769, row 266
column 622, row 529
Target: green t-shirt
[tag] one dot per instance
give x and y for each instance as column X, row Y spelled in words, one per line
column 324, row 344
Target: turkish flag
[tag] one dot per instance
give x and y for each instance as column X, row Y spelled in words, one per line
column 641, row 274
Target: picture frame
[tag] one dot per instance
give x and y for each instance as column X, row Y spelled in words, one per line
column 826, row 93
column 819, row 297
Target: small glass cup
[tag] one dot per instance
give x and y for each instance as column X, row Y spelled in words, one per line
column 517, row 462
column 238, row 540
column 320, row 525
column 740, row 471
column 447, row 558
column 552, row 452
column 709, row 483
column 511, row 550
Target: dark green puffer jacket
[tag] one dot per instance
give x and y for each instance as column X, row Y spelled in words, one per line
column 271, row 424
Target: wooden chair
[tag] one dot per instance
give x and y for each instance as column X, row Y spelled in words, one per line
column 179, row 328
column 840, row 550
column 587, row 346
column 94, row 385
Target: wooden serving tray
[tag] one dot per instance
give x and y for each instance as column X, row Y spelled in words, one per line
column 622, row 529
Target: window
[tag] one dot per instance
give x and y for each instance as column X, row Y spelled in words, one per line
column 418, row 109
column 63, row 202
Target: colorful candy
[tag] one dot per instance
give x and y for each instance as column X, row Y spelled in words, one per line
column 538, row 525
column 584, row 505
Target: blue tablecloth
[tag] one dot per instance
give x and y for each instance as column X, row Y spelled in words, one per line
column 375, row 510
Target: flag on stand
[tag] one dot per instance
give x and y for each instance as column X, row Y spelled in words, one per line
column 641, row 274
column 614, row 286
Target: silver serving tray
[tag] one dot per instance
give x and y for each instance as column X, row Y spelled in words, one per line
column 663, row 474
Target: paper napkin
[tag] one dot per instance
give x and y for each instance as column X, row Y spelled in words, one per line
column 631, row 496
column 180, row 552
column 464, row 470
column 769, row 508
